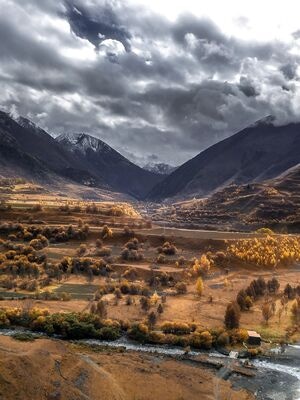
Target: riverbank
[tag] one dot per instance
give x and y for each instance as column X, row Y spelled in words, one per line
column 48, row 369
column 274, row 377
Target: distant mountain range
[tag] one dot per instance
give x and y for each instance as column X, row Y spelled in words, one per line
column 28, row 151
column 259, row 152
column 160, row 168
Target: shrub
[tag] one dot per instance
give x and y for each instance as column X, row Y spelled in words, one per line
column 104, row 252
column 133, row 244
column 131, row 255
column 106, row 232
column 181, row 261
column 128, row 232
column 128, row 301
column 81, row 250
column 145, row 303
column 238, row 336
column 223, row 339
column 181, row 287
column 130, row 274
column 161, row 259
column 109, row 333
column 265, row 231
column 65, row 296
column 201, row 340
column 139, row 332
column 201, row 266
column 168, row 249
column 160, row 309
column 178, row 328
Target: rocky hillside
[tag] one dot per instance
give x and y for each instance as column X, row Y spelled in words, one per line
column 257, row 153
column 28, row 151
column 122, row 174
column 272, row 203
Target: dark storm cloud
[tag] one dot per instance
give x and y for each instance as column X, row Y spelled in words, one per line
column 296, row 34
column 289, row 70
column 201, row 28
column 152, row 88
column 247, row 86
column 96, row 28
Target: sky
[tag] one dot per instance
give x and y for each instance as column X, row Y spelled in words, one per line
column 157, row 80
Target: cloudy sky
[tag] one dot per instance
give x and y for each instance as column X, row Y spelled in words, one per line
column 158, row 80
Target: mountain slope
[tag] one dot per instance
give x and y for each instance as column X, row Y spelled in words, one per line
column 29, row 151
column 272, row 203
column 121, row 173
column 259, row 152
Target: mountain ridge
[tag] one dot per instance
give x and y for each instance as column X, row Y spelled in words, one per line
column 29, row 151
column 256, row 153
column 122, row 173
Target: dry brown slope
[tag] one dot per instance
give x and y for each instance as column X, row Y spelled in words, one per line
column 273, row 203
column 55, row 370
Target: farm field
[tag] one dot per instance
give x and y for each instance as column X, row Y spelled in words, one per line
column 82, row 269
column 120, row 262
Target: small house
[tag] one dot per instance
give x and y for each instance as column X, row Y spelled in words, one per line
column 233, row 354
column 254, row 338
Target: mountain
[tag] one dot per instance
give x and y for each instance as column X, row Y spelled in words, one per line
column 28, row 151
column 259, row 152
column 160, row 168
column 122, row 174
column 273, row 203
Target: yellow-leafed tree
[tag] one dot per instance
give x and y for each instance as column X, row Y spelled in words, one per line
column 199, row 286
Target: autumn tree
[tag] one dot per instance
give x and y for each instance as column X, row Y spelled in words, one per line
column 160, row 309
column 295, row 311
column 273, row 285
column 267, row 310
column 154, row 298
column 181, row 287
column 145, row 303
column 289, row 292
column 152, row 319
column 202, row 265
column 199, row 286
column 243, row 300
column 81, row 250
column 232, row 316
column 106, row 232
column 101, row 309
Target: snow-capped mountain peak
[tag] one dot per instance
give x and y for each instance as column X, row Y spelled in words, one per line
column 83, row 142
column 160, row 168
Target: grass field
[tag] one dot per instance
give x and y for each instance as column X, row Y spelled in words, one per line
column 77, row 291
column 11, row 295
